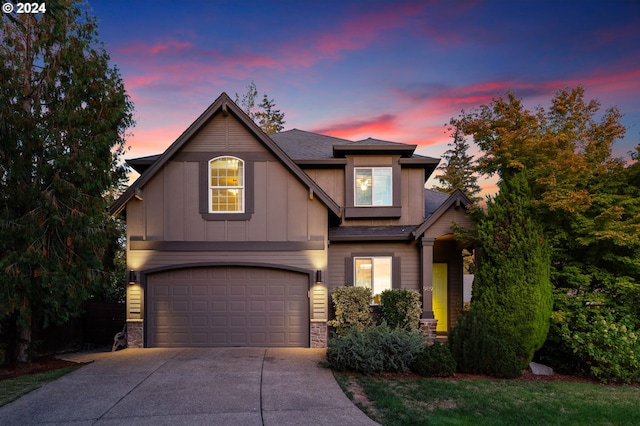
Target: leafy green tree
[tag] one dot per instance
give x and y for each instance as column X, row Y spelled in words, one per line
column 587, row 200
column 265, row 114
column 458, row 171
column 248, row 100
column 561, row 148
column 63, row 116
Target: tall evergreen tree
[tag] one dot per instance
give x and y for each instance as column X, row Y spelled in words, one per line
column 458, row 171
column 512, row 293
column 63, row 115
column 512, row 283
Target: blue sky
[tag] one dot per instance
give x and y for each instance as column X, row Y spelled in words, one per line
column 393, row 70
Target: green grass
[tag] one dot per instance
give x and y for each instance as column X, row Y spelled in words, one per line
column 12, row 389
column 421, row 401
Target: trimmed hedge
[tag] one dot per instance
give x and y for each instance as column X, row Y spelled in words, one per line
column 352, row 309
column 401, row 308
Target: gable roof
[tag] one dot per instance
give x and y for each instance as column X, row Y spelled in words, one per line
column 226, row 106
column 432, row 200
column 455, row 199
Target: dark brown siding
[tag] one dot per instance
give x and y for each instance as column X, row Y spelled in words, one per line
column 408, row 253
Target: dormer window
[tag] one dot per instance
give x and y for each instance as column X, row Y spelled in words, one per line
column 373, row 186
column 226, row 185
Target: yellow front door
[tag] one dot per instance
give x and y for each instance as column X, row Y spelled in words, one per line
column 439, row 295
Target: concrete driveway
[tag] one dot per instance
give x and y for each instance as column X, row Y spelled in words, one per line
column 192, row 386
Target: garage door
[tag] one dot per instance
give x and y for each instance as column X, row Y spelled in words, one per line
column 227, row 306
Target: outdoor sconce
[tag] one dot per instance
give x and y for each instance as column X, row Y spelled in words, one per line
column 133, row 277
column 318, row 276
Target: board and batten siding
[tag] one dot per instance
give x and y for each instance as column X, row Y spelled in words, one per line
column 282, row 211
column 442, row 226
column 332, row 181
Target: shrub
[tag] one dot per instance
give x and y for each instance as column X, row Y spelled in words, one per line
column 400, row 308
column 478, row 350
column 352, row 309
column 610, row 347
column 435, row 361
column 375, row 349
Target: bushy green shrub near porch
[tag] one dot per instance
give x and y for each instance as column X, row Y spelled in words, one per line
column 477, row 350
column 375, row 349
column 352, row 309
column 400, row 308
column 435, row 361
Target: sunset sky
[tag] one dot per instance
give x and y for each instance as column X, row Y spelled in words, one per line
column 394, row 70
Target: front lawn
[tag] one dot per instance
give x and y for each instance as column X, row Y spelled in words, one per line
column 410, row 400
column 13, row 388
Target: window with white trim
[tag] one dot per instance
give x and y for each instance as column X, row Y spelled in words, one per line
column 373, row 273
column 226, row 185
column 373, row 186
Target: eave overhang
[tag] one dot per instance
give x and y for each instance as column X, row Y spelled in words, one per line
column 457, row 199
column 340, row 151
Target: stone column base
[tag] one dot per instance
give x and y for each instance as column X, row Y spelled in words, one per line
column 428, row 329
column 319, row 334
column 134, row 334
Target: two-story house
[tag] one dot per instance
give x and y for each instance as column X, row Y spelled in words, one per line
column 237, row 238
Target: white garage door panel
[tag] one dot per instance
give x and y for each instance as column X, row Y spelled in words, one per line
column 227, row 306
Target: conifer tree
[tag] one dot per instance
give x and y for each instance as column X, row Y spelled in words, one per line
column 513, row 283
column 458, row 171
column 512, row 293
column 63, row 116
column 265, row 114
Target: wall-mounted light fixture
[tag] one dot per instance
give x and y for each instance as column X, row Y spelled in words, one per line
column 318, row 276
column 133, row 277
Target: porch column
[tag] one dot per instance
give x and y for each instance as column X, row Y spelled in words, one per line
column 427, row 277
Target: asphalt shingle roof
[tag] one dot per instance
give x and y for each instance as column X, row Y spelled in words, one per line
column 301, row 145
column 432, row 200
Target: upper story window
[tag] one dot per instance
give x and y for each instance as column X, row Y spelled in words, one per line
column 373, row 186
column 226, row 185
column 373, row 273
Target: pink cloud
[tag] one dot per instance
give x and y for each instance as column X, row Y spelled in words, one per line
column 377, row 126
column 353, row 34
column 436, row 100
column 152, row 140
column 166, row 47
